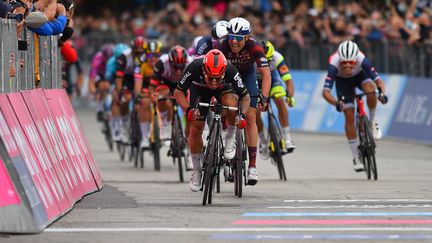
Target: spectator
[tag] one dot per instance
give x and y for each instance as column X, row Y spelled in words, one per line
column 56, row 26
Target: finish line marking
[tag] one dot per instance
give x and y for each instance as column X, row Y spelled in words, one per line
column 355, row 206
column 358, row 200
column 244, row 229
column 334, row 222
column 322, row 236
column 337, row 214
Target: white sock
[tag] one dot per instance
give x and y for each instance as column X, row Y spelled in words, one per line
column 115, row 124
column 125, row 120
column 372, row 115
column 286, row 131
column 196, row 161
column 164, row 118
column 262, row 137
column 100, row 106
column 354, row 147
column 145, row 129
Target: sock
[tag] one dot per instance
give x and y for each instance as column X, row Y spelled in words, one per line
column 145, row 129
column 262, row 137
column 115, row 124
column 100, row 106
column 164, row 118
column 286, row 131
column 196, row 161
column 252, row 156
column 354, row 147
column 372, row 115
column 125, row 120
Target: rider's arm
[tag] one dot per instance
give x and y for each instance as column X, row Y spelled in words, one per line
column 263, row 67
column 284, row 73
column 328, row 85
column 157, row 74
column 237, row 83
column 183, row 85
column 138, row 78
column 120, row 72
column 372, row 73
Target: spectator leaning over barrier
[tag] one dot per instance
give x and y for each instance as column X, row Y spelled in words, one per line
column 56, row 26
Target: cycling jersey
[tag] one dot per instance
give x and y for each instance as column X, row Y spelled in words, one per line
column 278, row 63
column 147, row 72
column 125, row 69
column 98, row 65
column 204, row 45
column 164, row 73
column 362, row 65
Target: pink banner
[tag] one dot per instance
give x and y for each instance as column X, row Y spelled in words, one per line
column 44, row 186
column 67, row 108
column 74, row 152
column 38, row 141
column 38, row 108
column 8, row 195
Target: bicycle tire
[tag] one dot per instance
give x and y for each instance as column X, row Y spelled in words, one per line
column 362, row 146
column 156, row 143
column 238, row 167
column 275, row 147
column 177, row 136
column 371, row 149
column 121, row 148
column 215, row 178
column 210, row 160
column 108, row 137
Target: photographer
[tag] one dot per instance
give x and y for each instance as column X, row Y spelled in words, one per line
column 55, row 26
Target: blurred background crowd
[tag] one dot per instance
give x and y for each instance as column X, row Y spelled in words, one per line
column 306, row 31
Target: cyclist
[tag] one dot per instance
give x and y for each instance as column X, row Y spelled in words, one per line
column 349, row 68
column 124, row 87
column 152, row 51
column 210, row 76
column 167, row 72
column 279, row 73
column 206, row 43
column 98, row 84
column 243, row 51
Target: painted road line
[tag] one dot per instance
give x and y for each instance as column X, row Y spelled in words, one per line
column 322, row 236
column 337, row 214
column 335, row 222
column 414, row 200
column 242, row 229
column 355, row 206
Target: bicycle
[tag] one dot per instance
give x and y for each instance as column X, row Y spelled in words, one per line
column 367, row 143
column 213, row 152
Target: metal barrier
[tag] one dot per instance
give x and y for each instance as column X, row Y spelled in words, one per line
column 41, row 61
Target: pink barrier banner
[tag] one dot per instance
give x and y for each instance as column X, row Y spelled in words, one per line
column 73, row 123
column 41, row 179
column 8, row 195
column 37, row 138
column 74, row 152
column 38, row 108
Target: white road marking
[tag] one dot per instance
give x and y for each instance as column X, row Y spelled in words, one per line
column 244, row 229
column 355, row 206
column 357, row 200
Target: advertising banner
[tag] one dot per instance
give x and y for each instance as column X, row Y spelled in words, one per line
column 8, row 194
column 52, row 170
column 39, row 189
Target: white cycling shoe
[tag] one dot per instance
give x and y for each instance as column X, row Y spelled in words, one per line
column 376, row 131
column 252, row 176
column 195, row 181
column 358, row 165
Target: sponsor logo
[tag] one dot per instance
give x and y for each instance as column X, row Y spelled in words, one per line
column 239, row 81
column 185, row 76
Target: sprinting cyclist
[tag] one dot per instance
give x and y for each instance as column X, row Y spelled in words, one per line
column 243, row 51
column 124, row 88
column 152, row 51
column 349, row 68
column 98, row 83
column 206, row 77
column 279, row 73
column 206, row 43
column 166, row 74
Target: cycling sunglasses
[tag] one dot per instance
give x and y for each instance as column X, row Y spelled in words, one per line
column 238, row 38
column 178, row 66
column 151, row 55
column 213, row 79
column 352, row 63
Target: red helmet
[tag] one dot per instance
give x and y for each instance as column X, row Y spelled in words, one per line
column 138, row 43
column 178, row 57
column 215, row 63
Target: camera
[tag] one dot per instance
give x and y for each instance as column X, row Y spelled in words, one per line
column 17, row 17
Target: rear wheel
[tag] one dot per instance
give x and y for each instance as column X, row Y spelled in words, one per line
column 275, row 147
column 177, row 136
column 156, row 143
column 238, row 167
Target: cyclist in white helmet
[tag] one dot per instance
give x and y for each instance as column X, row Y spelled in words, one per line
column 206, row 43
column 350, row 68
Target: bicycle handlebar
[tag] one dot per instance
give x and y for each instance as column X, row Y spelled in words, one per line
column 231, row 108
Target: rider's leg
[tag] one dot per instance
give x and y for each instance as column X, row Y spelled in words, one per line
column 195, row 145
column 165, row 111
column 103, row 89
column 144, row 117
column 230, row 99
column 116, row 121
column 369, row 87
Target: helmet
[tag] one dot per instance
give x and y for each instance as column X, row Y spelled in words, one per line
column 268, row 49
column 348, row 51
column 107, row 50
column 138, row 43
column 119, row 49
column 215, row 63
column 152, row 46
column 178, row 56
column 239, row 26
column 219, row 29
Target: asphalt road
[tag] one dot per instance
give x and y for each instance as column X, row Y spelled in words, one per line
column 322, row 200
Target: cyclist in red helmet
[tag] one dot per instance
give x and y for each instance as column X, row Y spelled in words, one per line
column 166, row 74
column 210, row 76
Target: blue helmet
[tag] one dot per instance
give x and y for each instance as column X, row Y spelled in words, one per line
column 119, row 49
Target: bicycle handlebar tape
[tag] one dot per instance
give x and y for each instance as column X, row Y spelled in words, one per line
column 242, row 122
column 190, row 113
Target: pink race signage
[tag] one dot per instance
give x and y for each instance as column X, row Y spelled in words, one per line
column 50, row 166
column 42, row 181
column 8, row 195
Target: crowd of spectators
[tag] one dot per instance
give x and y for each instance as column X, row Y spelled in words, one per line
column 304, row 22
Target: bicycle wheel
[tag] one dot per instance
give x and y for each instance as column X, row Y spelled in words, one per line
column 177, row 136
column 275, row 147
column 121, row 148
column 156, row 143
column 371, row 149
column 107, row 132
column 238, row 166
column 210, row 168
column 364, row 154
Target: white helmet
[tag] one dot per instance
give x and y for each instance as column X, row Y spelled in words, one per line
column 239, row 26
column 219, row 29
column 348, row 50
